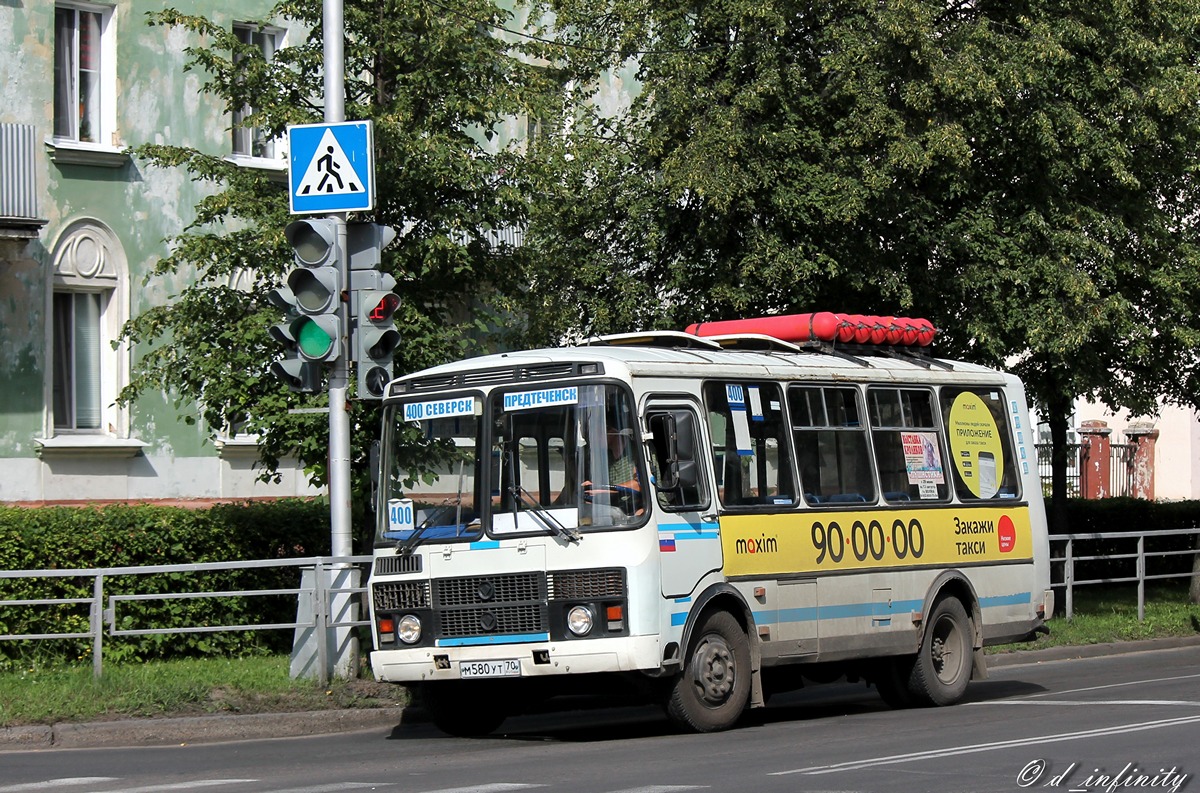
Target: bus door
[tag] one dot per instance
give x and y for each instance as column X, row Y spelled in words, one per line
column 688, row 539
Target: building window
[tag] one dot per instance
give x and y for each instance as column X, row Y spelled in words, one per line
column 87, row 312
column 82, row 73
column 250, row 141
column 77, row 360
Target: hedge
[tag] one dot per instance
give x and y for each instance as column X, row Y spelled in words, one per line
column 58, row 538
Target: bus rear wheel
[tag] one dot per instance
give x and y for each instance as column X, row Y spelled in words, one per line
column 943, row 665
column 714, row 688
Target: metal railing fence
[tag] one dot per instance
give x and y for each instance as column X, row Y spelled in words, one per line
column 1107, row 557
column 102, row 618
column 1122, row 458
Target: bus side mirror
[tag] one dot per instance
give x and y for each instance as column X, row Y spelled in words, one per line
column 675, row 447
column 686, row 474
column 662, row 429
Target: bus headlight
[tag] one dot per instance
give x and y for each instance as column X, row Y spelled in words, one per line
column 409, row 629
column 579, row 620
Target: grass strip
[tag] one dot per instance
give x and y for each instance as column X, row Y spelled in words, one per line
column 189, row 687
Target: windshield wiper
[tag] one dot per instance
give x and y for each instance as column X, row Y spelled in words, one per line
column 405, row 547
column 547, row 520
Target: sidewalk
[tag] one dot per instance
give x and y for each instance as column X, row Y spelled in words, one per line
column 209, row 729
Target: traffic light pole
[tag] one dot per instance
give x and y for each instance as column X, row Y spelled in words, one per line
column 345, row 657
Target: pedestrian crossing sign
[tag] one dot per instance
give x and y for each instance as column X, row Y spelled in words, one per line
column 331, row 167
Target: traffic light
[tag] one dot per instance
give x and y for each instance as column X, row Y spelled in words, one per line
column 365, row 243
column 316, row 285
column 300, row 375
column 375, row 334
column 376, row 338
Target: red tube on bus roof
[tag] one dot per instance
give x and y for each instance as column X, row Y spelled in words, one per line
column 827, row 326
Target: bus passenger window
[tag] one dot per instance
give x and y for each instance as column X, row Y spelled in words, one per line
column 908, row 449
column 750, row 453
column 977, row 432
column 831, row 445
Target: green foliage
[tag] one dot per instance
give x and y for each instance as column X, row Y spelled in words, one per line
column 440, row 92
column 1024, row 174
column 70, row 538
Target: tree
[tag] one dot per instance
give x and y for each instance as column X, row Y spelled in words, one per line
column 1022, row 173
column 441, row 88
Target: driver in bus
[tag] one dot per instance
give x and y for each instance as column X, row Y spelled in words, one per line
column 622, row 472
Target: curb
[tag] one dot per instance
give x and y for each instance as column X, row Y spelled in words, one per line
column 197, row 729
column 1080, row 651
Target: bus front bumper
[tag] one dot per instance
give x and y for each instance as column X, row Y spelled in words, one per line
column 534, row 659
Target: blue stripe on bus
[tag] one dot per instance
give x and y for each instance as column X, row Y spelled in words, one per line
column 476, row 641
column 484, row 545
column 878, row 610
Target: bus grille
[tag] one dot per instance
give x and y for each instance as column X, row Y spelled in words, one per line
column 498, row 620
column 397, row 595
column 392, row 565
column 586, row 584
column 487, row 605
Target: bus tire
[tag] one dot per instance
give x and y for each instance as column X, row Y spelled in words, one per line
column 461, row 710
column 714, row 687
column 943, row 665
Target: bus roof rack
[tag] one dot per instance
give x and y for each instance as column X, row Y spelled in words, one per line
column 760, row 342
column 656, row 338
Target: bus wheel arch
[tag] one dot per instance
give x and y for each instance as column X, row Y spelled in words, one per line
column 951, row 632
column 721, row 670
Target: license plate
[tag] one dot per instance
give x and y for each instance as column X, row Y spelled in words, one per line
column 508, row 667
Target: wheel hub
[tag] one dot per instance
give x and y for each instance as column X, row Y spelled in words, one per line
column 715, row 671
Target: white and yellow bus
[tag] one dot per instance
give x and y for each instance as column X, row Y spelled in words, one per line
column 712, row 516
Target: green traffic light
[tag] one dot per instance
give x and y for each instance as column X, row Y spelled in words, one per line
column 314, row 342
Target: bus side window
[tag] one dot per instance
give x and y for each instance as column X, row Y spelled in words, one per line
column 751, row 454
column 908, row 447
column 831, row 445
column 674, row 460
column 977, row 430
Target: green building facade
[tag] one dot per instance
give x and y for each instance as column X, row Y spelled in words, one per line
column 81, row 224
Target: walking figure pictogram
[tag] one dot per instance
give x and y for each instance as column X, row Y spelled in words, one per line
column 330, row 168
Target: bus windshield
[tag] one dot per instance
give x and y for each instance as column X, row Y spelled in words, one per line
column 556, row 460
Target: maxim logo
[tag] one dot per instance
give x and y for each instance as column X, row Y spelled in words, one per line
column 763, row 544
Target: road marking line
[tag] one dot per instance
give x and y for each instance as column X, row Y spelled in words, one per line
column 1094, row 702
column 195, row 783
column 496, row 787
column 1110, row 685
column 334, row 787
column 660, row 789
column 52, row 784
column 856, row 765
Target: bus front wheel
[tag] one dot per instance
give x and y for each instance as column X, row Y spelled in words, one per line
column 714, row 687
column 943, row 665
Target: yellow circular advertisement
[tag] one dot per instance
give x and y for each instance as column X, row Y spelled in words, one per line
column 975, row 445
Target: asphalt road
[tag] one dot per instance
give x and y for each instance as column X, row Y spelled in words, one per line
column 1114, row 723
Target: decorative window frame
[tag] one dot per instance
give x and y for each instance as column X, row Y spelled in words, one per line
column 88, row 257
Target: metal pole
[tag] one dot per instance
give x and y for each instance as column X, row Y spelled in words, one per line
column 1069, row 576
column 97, row 626
column 346, row 653
column 1141, row 577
